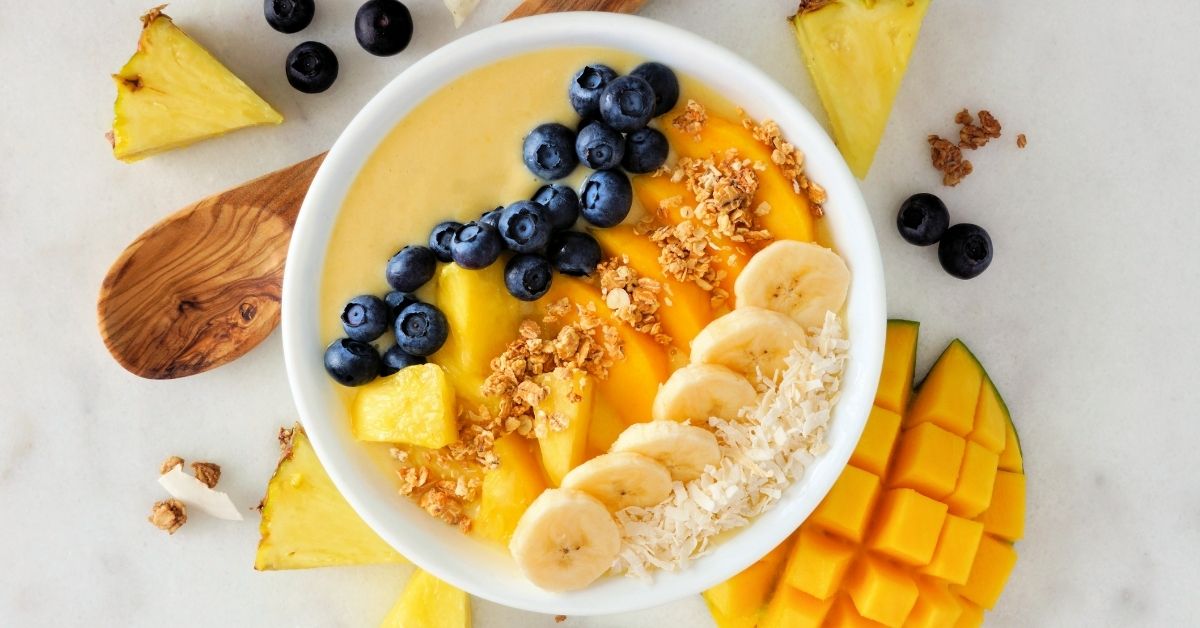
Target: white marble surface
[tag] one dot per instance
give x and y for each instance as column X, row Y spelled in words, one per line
column 1083, row 319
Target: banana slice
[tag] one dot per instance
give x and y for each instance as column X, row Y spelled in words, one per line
column 565, row 540
column 747, row 340
column 800, row 279
column 699, row 391
column 685, row 450
column 621, row 479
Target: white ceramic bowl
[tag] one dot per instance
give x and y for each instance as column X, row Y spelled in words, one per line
column 486, row 570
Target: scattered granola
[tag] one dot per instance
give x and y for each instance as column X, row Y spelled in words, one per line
column 1021, row 140
column 790, row 160
column 169, row 515
column 972, row 135
column 441, row 503
column 686, row 254
column 207, row 472
column 724, row 189
column 633, row 299
column 558, row 619
column 170, row 463
column 692, row 119
column 947, row 157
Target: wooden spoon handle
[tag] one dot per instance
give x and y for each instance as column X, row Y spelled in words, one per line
column 536, row 7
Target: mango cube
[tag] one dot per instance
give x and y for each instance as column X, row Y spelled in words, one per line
column 948, row 395
column 1005, row 517
column 416, row 406
column 907, row 526
column 993, row 563
column 483, row 319
column 991, row 418
column 899, row 362
column 973, row 492
column 790, row 608
column 935, row 607
column 568, row 400
column 881, row 592
column 843, row 615
column 744, row 594
column 847, row 508
column 874, row 448
column 1010, row 458
column 818, row 563
column 928, row 460
column 972, row 615
column 955, row 553
column 508, row 489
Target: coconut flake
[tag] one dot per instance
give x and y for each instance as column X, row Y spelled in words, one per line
column 460, row 9
column 195, row 494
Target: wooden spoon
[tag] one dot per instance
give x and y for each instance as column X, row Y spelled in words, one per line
column 202, row 287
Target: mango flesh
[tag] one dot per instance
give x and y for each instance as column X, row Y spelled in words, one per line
column 427, row 602
column 508, row 489
column 919, row 529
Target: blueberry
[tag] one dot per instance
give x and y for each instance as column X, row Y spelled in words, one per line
column 645, row 150
column 527, row 276
column 922, row 219
column 411, row 267
column 396, row 358
column 289, row 16
column 662, row 80
column 476, row 245
column 397, row 301
column 586, row 87
column 420, row 329
column 965, row 251
column 351, row 363
column 383, row 27
column 311, row 67
column 365, row 318
column 491, row 217
column 605, row 198
column 440, row 238
column 627, row 104
column 574, row 253
column 561, row 203
column 549, row 151
column 525, row 226
column 599, row 147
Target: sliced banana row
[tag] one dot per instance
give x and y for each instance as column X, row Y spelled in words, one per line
column 699, row 391
column 565, row 540
column 800, row 279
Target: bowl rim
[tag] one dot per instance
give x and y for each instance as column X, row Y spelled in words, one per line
column 421, row 539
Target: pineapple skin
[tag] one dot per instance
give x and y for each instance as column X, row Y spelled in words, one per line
column 307, row 523
column 172, row 93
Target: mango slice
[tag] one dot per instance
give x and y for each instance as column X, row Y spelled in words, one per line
column 508, row 489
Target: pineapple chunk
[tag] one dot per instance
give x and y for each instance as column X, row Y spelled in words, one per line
column 307, row 523
column 429, row 603
column 172, row 93
column 857, row 52
column 508, row 489
column 571, row 399
column 414, row 406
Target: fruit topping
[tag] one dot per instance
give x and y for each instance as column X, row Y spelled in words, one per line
column 397, row 358
column 397, row 301
column 965, row 250
column 365, row 318
column 383, row 27
column 622, row 479
column 492, row 217
column 525, row 226
column 416, row 406
column 549, row 151
column 441, row 237
column 410, row 268
column 664, row 83
column 573, row 253
column 561, row 203
column 922, row 219
column 627, row 103
column 599, row 146
column 311, row 67
column 749, row 340
column 350, row 362
column 800, row 279
column 289, row 16
column 527, row 276
column 565, row 540
column 685, row 450
column 697, row 392
column 586, row 87
column 421, row 329
column 605, row 198
column 476, row 245
column 645, row 151
column 566, row 412
column 172, row 93
column 427, row 601
column 508, row 488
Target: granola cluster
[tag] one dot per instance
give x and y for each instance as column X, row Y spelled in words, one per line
column 168, row 515
column 790, row 160
column 947, row 156
column 685, row 253
column 692, row 120
column 443, row 499
column 634, row 299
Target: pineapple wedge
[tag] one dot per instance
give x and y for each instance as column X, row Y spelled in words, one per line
column 429, row 603
column 307, row 523
column 857, row 52
column 172, row 93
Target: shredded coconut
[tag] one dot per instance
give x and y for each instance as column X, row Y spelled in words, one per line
column 762, row 453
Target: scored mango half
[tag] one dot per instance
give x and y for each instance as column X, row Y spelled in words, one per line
column 919, row 528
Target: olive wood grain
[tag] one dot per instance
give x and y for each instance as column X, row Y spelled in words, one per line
column 202, row 287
